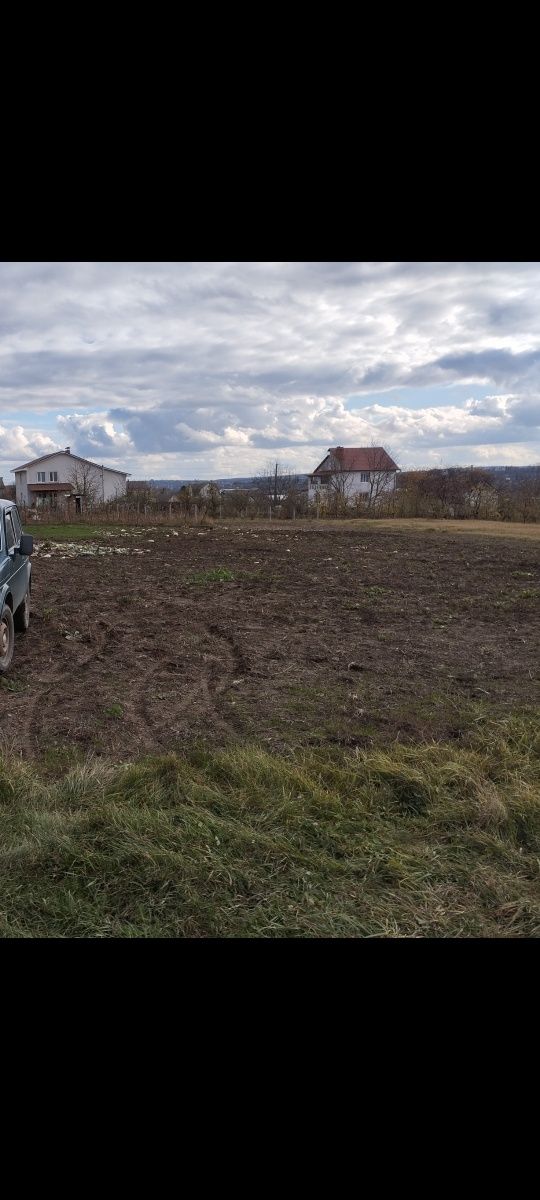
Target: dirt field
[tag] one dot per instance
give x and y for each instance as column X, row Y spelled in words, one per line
column 287, row 635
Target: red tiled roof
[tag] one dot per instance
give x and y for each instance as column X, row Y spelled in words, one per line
column 363, row 458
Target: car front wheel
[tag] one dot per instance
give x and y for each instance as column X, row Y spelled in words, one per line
column 7, row 639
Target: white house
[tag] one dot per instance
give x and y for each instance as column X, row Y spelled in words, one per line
column 353, row 473
column 56, row 478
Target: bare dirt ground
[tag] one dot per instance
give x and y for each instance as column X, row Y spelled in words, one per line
column 323, row 634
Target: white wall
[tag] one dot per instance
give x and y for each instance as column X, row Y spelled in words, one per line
column 354, row 486
column 115, row 483
column 21, row 494
column 108, row 484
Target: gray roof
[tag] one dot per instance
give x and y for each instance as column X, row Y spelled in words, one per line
column 75, row 457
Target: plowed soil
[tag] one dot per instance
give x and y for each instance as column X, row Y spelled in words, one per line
column 301, row 636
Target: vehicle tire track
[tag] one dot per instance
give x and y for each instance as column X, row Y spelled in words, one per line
column 182, row 697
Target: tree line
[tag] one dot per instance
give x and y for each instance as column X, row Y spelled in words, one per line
column 459, row 493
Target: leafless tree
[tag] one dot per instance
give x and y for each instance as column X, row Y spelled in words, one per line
column 338, row 483
column 211, row 499
column 296, row 497
column 140, row 493
column 381, row 478
column 86, row 481
column 186, row 499
column 479, row 497
column 527, row 496
column 280, row 488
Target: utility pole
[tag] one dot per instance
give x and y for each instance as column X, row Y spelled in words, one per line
column 275, row 486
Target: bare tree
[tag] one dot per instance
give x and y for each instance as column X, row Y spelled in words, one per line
column 338, row 482
column 381, row 476
column 87, row 482
column 276, row 484
column 270, row 482
column 296, row 497
column 479, row 494
column 186, row 500
column 210, row 499
column 409, row 497
column 527, row 496
column 140, row 493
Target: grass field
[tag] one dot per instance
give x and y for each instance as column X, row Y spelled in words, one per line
column 413, row 842
column 473, row 528
column 72, row 532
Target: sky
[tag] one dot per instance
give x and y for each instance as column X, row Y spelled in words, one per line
column 206, row 370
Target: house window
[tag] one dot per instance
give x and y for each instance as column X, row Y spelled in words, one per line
column 365, row 477
column 41, row 477
column 53, row 476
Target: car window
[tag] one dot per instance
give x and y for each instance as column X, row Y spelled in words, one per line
column 16, row 524
column 10, row 532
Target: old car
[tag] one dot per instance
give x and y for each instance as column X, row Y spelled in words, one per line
column 15, row 580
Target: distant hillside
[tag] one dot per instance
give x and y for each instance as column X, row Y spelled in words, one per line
column 176, row 484
column 239, row 482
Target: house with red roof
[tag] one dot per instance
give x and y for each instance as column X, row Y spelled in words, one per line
column 353, row 474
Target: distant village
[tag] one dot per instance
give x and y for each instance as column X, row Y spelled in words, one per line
column 349, row 481
column 496, row 493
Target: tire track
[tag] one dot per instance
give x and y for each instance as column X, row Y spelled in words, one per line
column 182, row 697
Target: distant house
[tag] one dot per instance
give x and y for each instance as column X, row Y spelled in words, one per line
column 7, row 491
column 209, row 491
column 164, row 498
column 352, row 474
column 58, row 478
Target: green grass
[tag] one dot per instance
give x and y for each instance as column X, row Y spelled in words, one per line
column 434, row 840
column 12, row 685
column 115, row 711
column 69, row 533
column 219, row 575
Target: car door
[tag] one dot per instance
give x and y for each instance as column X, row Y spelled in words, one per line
column 5, row 562
column 14, row 570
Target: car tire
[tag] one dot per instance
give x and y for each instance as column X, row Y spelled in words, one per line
column 7, row 639
column 21, row 619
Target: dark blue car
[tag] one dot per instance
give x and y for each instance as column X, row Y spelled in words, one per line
column 15, row 580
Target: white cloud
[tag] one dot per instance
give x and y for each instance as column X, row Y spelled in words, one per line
column 23, row 445
column 94, row 435
column 207, row 365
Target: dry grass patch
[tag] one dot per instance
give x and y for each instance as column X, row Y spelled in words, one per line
column 427, row 841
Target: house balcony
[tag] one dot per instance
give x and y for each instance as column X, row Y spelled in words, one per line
column 64, row 488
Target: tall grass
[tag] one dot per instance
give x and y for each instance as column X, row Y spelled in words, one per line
column 431, row 841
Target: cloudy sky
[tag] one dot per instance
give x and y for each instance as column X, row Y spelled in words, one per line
column 207, row 369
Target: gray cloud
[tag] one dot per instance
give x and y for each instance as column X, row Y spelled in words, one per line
column 214, row 362
column 499, row 366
